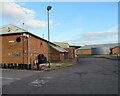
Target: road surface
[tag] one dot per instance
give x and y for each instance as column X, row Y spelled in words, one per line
column 88, row 76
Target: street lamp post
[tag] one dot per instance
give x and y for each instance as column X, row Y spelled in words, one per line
column 48, row 8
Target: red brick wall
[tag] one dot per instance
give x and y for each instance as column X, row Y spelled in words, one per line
column 116, row 50
column 25, row 50
column 9, row 49
column 54, row 55
column 36, row 46
column 57, row 56
column 71, row 53
column 83, row 51
column 62, row 56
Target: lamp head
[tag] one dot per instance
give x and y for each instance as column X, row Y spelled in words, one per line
column 49, row 8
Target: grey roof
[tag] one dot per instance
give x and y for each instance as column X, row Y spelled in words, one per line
column 99, row 45
column 58, row 48
column 9, row 29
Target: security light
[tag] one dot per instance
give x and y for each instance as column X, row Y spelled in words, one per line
column 49, row 8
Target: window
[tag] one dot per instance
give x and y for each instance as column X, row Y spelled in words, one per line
column 18, row 39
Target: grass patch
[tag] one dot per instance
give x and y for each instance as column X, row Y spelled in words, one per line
column 84, row 55
column 108, row 57
column 58, row 65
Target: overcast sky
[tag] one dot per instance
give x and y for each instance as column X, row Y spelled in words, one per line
column 78, row 23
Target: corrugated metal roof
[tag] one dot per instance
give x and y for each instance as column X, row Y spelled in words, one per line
column 9, row 29
column 60, row 49
column 99, row 45
column 62, row 44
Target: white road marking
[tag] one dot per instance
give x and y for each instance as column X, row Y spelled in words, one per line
column 38, row 82
column 36, row 71
column 9, row 78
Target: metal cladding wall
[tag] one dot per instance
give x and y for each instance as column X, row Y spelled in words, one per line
column 100, row 50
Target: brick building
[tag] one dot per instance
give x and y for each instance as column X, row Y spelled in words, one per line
column 98, row 49
column 22, row 47
column 65, row 45
column 115, row 50
column 83, row 51
column 71, row 52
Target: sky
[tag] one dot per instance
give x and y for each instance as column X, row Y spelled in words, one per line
column 78, row 23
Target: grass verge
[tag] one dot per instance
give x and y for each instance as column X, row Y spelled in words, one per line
column 109, row 57
column 58, row 65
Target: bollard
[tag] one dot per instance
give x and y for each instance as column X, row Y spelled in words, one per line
column 8, row 65
column 4, row 66
column 15, row 65
column 29, row 66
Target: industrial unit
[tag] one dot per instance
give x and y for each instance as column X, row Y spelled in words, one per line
column 83, row 51
column 116, row 50
column 66, row 46
column 99, row 49
column 22, row 47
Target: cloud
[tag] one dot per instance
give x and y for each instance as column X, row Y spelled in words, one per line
column 107, row 36
column 68, row 0
column 14, row 13
column 36, row 23
column 103, row 35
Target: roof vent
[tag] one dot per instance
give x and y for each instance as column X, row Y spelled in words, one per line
column 9, row 29
column 17, row 29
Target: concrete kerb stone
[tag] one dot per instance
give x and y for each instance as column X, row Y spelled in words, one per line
column 54, row 65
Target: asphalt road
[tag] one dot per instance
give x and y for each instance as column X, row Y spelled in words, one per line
column 88, row 76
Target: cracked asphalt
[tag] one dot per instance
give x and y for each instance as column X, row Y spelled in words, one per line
column 88, row 76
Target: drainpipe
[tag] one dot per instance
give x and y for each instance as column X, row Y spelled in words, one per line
column 28, row 49
column 23, row 48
